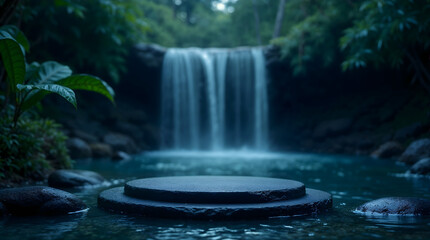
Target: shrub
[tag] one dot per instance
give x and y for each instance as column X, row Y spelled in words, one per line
column 31, row 149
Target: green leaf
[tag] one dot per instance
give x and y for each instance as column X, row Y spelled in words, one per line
column 63, row 91
column 52, row 71
column 32, row 72
column 18, row 36
column 89, row 83
column 13, row 59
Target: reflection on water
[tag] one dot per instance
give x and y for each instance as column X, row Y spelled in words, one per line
column 40, row 227
column 351, row 180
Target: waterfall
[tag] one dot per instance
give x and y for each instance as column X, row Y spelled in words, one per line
column 214, row 99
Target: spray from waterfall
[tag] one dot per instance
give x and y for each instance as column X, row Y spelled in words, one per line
column 214, row 99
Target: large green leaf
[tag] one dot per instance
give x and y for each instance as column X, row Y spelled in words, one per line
column 32, row 72
column 52, row 71
column 63, row 91
column 13, row 59
column 89, row 83
column 18, row 36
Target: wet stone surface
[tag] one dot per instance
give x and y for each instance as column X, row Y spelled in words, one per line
column 396, row 206
column 39, row 201
column 214, row 197
column 215, row 189
column 74, row 178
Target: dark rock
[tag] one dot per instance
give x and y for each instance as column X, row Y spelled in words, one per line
column 218, row 198
column 215, row 189
column 151, row 136
column 2, row 209
column 120, row 142
column 272, row 55
column 89, row 138
column 74, row 178
column 410, row 131
column 388, row 150
column 101, row 150
column 39, row 201
column 421, row 167
column 396, row 206
column 78, row 148
column 150, row 54
column 136, row 117
column 121, row 156
column 132, row 130
column 332, row 128
column 416, row 150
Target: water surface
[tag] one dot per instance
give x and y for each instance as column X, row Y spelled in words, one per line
column 351, row 180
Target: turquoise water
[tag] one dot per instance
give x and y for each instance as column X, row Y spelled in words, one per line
column 351, row 180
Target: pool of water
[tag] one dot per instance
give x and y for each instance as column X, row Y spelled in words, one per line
column 351, row 181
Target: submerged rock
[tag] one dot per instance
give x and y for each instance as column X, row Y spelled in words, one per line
column 396, row 206
column 388, row 150
column 74, row 178
column 39, row 201
column 78, row 148
column 417, row 150
column 422, row 167
column 101, row 150
column 120, row 142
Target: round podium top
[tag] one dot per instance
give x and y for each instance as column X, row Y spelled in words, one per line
column 215, row 189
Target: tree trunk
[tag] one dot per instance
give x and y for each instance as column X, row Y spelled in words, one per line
column 257, row 22
column 279, row 19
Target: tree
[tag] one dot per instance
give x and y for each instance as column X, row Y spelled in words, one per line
column 279, row 18
column 98, row 34
column 313, row 29
column 257, row 22
column 395, row 32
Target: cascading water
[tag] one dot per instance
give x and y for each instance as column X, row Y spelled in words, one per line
column 214, row 99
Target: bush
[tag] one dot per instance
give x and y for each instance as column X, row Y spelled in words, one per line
column 32, row 149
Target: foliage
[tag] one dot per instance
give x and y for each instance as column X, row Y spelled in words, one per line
column 31, row 149
column 312, row 33
column 29, row 85
column 390, row 32
column 170, row 25
column 94, row 36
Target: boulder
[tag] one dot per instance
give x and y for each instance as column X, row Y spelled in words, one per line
column 150, row 54
column 89, row 138
column 388, row 150
column 101, row 150
column 332, row 128
column 74, row 178
column 410, row 131
column 39, row 201
column 421, row 167
column 396, row 206
column 78, row 148
column 120, row 142
column 417, row 150
column 119, row 156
